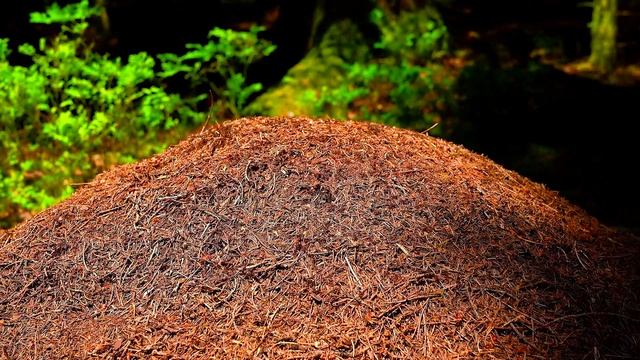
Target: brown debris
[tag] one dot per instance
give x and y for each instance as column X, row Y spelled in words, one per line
column 292, row 238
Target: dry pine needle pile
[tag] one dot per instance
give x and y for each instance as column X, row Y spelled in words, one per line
column 293, row 238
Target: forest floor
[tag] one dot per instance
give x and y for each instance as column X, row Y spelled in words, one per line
column 624, row 75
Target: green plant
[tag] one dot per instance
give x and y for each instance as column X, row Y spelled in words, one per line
column 224, row 59
column 416, row 37
column 400, row 95
column 406, row 85
column 73, row 112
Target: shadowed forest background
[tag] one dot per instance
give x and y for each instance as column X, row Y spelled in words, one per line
column 85, row 86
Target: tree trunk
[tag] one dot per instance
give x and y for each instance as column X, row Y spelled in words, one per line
column 603, row 35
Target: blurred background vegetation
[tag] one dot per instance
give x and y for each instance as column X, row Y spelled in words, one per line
column 546, row 88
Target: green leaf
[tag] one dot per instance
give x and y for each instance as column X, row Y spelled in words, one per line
column 4, row 49
column 68, row 13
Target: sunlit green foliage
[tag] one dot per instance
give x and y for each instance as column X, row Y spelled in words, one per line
column 73, row 112
column 62, row 15
column 224, row 58
column 405, row 86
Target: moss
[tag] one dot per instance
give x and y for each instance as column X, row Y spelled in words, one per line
column 323, row 66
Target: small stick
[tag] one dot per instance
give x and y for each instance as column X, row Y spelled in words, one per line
column 353, row 272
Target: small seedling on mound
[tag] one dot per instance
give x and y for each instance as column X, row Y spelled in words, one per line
column 299, row 238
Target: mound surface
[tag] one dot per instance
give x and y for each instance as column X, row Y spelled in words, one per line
column 298, row 238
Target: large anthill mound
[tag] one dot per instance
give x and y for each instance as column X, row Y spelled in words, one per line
column 297, row 238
